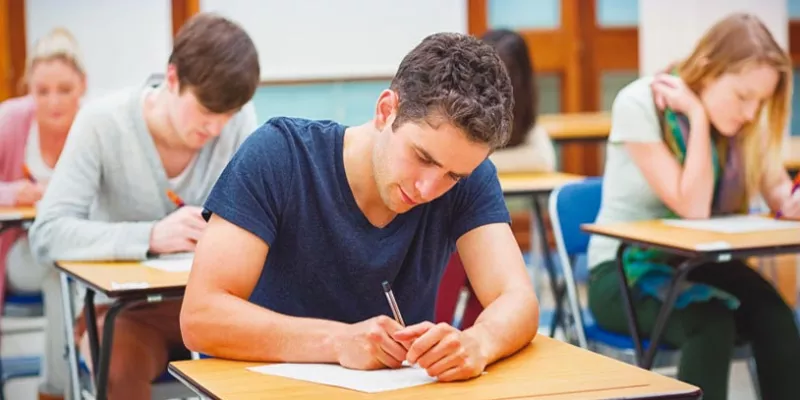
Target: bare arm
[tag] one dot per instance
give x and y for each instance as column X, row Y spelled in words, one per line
column 688, row 189
column 217, row 319
column 776, row 185
column 496, row 271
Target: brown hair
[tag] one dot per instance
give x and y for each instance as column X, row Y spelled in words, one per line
column 513, row 51
column 217, row 60
column 733, row 44
column 457, row 79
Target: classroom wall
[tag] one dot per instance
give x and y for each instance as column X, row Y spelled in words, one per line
column 668, row 30
column 340, row 39
column 122, row 41
column 312, row 39
column 141, row 31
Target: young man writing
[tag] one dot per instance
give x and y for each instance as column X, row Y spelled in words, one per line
column 311, row 217
column 134, row 171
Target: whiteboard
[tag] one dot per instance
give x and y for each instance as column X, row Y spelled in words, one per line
column 122, row 42
column 321, row 39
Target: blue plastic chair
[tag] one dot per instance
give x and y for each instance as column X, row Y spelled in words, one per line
column 21, row 305
column 570, row 206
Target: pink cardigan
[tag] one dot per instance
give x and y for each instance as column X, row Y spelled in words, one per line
column 16, row 117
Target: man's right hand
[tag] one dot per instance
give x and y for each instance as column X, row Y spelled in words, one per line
column 178, row 232
column 368, row 345
column 28, row 193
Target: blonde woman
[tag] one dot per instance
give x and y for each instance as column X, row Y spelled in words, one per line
column 701, row 139
column 33, row 129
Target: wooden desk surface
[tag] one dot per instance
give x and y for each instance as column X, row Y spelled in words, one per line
column 17, row 213
column 546, row 367
column 577, row 126
column 657, row 233
column 524, row 183
column 101, row 276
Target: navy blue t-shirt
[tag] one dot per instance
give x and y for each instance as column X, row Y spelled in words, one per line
column 287, row 185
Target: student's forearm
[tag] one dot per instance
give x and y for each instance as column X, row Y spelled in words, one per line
column 223, row 325
column 69, row 238
column 507, row 324
column 697, row 177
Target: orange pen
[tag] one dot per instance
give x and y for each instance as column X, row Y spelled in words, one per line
column 26, row 172
column 175, row 198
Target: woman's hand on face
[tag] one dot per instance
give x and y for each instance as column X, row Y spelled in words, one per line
column 670, row 91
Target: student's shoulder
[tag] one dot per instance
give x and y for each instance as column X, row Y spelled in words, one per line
column 108, row 108
column 290, row 132
column 633, row 114
column 637, row 94
column 13, row 107
column 477, row 183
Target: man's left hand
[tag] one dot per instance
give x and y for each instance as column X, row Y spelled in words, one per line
column 445, row 352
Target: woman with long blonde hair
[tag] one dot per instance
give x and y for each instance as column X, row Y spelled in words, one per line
column 33, row 129
column 700, row 139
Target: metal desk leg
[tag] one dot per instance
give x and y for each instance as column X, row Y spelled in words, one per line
column 666, row 310
column 91, row 328
column 646, row 359
column 105, row 350
column 627, row 302
column 68, row 304
column 548, row 264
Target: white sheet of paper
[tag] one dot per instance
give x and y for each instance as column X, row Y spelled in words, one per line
column 179, row 262
column 734, row 224
column 129, row 285
column 364, row 381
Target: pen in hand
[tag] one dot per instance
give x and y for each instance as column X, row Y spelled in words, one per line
column 175, row 198
column 387, row 290
column 795, row 187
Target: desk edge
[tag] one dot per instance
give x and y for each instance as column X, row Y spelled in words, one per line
column 189, row 382
column 124, row 293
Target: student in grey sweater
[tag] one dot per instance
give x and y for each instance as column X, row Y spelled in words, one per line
column 112, row 195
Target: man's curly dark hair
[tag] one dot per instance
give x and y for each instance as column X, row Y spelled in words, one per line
column 457, row 79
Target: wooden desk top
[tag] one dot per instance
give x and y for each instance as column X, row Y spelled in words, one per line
column 792, row 162
column 101, row 276
column 577, row 126
column 17, row 213
column 686, row 240
column 538, row 182
column 546, row 367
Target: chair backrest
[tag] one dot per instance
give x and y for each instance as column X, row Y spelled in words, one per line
column 570, row 206
column 454, row 280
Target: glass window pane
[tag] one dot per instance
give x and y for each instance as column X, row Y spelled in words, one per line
column 794, row 9
column 612, row 13
column 611, row 82
column 521, row 14
column 549, row 93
